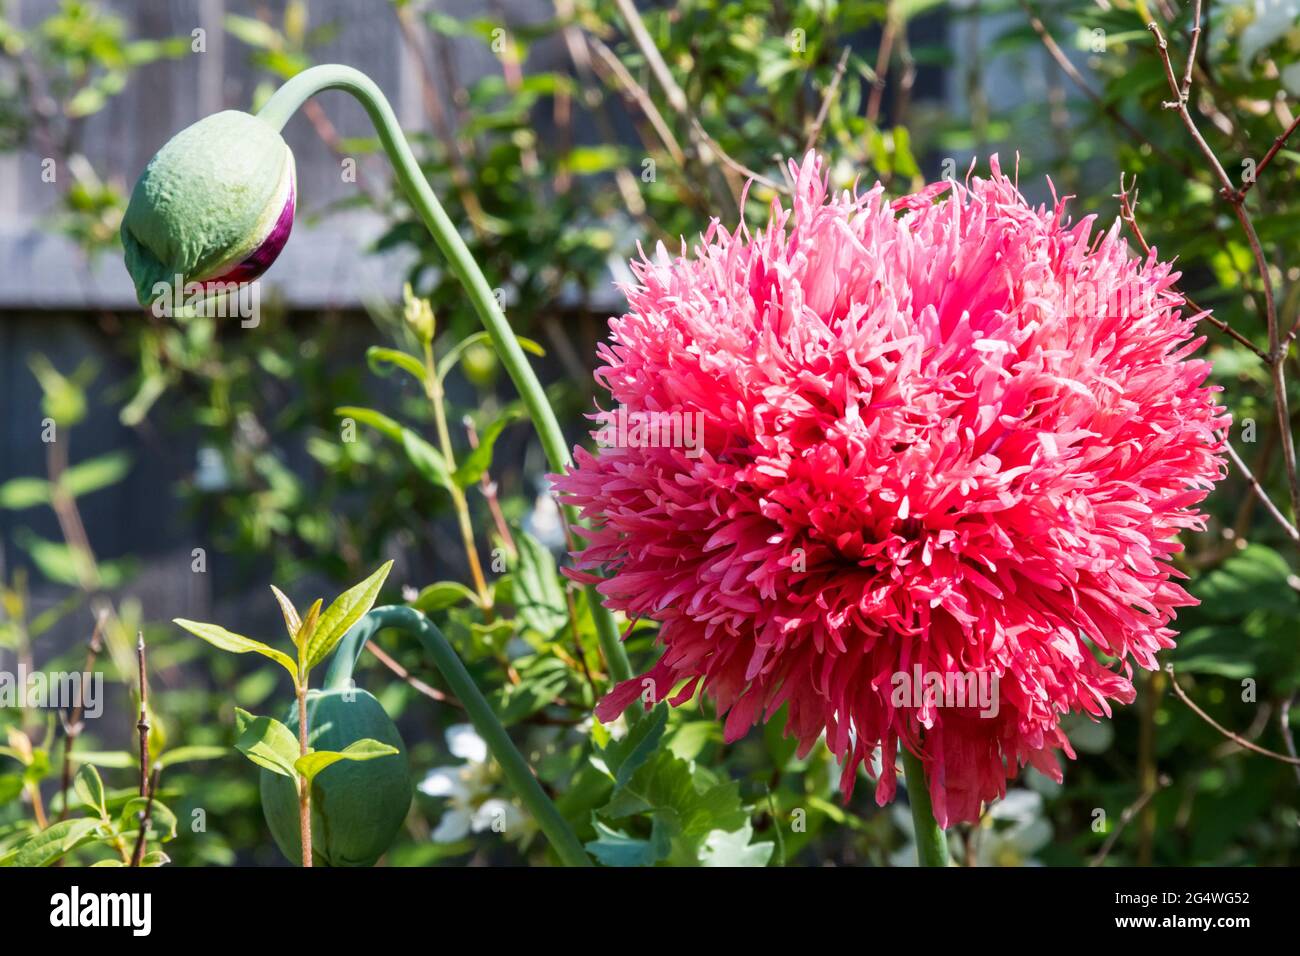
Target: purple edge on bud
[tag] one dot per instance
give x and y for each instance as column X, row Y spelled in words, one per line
column 261, row 258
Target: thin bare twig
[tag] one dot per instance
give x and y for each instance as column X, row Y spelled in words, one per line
column 887, row 36
column 1276, row 349
column 1284, row 723
column 440, row 697
column 73, row 723
column 146, row 818
column 1068, row 68
column 1125, row 818
column 638, row 93
column 1268, row 157
column 1237, row 739
column 704, row 146
column 1186, row 89
column 1128, row 213
column 827, row 98
column 1260, row 493
column 143, row 725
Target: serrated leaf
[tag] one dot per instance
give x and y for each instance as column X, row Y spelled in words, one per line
column 309, row 765
column 616, row 848
column 683, row 802
column 266, row 742
column 732, row 848
column 345, row 611
column 219, row 637
column 625, row 757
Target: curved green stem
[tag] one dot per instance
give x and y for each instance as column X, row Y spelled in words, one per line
column 282, row 105
column 517, row 772
column 931, row 844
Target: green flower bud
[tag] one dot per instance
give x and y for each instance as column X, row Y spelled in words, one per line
column 214, row 207
column 356, row 807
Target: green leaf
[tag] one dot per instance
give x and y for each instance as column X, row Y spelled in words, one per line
column 448, row 361
column 266, row 742
column 376, row 420
column 1255, row 577
column 589, row 160
column 292, row 622
column 684, row 803
column 110, row 759
column 379, row 358
column 625, row 757
column 190, row 754
column 256, row 33
column 732, row 848
column 161, row 819
column 308, row 626
column 238, row 644
column 96, row 473
column 480, row 459
column 348, row 608
column 54, row 559
column 428, row 461
column 442, row 595
column 309, row 765
column 90, row 789
column 54, row 841
column 1221, row 649
column 615, row 848
column 542, row 678
column 538, row 594
column 19, row 493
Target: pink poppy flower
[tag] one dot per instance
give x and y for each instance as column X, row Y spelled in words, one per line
column 950, row 439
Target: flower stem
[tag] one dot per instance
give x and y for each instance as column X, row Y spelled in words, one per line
column 931, row 844
column 304, row 788
column 433, row 391
column 513, row 765
column 282, row 105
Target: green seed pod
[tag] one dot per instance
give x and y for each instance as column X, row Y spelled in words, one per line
column 357, row 807
column 214, row 206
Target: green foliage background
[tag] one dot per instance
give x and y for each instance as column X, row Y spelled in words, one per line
column 548, row 213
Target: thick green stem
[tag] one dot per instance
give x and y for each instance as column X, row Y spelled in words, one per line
column 513, row 765
column 277, row 111
column 931, row 844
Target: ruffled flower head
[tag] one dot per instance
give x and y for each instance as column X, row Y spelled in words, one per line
column 948, row 440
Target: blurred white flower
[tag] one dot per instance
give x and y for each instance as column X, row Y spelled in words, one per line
column 545, row 522
column 1011, row 831
column 468, row 790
